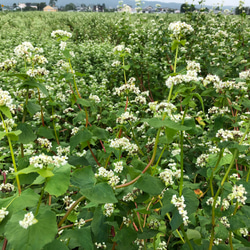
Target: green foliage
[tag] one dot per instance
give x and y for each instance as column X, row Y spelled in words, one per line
column 130, row 137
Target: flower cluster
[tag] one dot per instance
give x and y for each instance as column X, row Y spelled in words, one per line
column 109, row 175
column 29, row 220
column 100, row 245
column 42, row 161
column 127, row 87
column 191, row 75
column 121, row 49
column 24, row 50
column 227, row 135
column 162, row 246
column 80, row 223
column 5, row 99
column 210, row 202
column 109, row 209
column 168, row 174
column 7, row 187
column 118, row 166
column 179, row 203
column 238, row 193
column 162, row 108
column 180, row 28
column 60, row 34
column 95, row 98
column 125, row 117
column 37, row 72
column 124, row 144
column 3, row 213
column 39, row 59
column 44, row 143
column 8, row 64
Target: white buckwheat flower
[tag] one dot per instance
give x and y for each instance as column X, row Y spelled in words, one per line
column 109, row 209
column 179, row 203
column 3, row 213
column 29, row 220
column 60, row 33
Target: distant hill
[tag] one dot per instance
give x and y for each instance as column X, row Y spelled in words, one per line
column 108, row 3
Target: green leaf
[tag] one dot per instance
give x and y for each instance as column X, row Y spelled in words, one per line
column 75, row 161
column 27, row 134
column 101, row 193
column 201, row 101
column 36, row 235
column 183, row 42
column 81, row 136
column 98, row 228
column 6, row 111
column 193, row 234
column 84, row 178
column 100, row 133
column 55, row 244
column 28, row 198
column 166, row 201
column 83, row 102
column 150, row 184
column 66, row 53
column 125, row 237
column 2, row 134
column 147, row 234
column 34, row 84
column 46, row 132
column 158, row 123
column 13, row 135
column 126, row 67
column 58, row 184
column 79, row 238
column 32, row 169
column 191, row 201
column 170, row 133
column 174, row 45
column 176, row 220
column 33, row 108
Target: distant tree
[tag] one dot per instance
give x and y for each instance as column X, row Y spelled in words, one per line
column 187, row 8
column 70, row 6
column 41, row 5
column 239, row 11
column 52, row 2
column 14, row 5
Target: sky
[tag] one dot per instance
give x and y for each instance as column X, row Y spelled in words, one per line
column 207, row 2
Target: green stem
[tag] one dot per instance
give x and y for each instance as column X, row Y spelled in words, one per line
column 182, row 153
column 212, row 175
column 39, row 100
column 176, row 229
column 156, row 165
column 40, row 200
column 186, row 238
column 231, row 240
column 24, row 116
column 217, row 194
column 124, row 72
column 54, row 126
column 12, row 155
column 175, row 63
column 74, row 79
column 182, row 164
